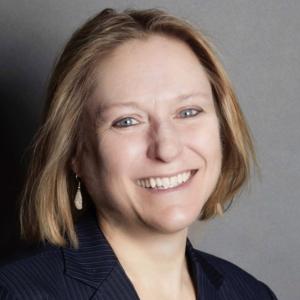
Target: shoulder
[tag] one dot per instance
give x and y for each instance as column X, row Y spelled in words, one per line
column 226, row 267
column 23, row 277
column 235, row 278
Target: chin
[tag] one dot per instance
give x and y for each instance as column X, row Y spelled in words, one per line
column 173, row 223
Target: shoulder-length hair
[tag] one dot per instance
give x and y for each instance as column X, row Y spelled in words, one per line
column 46, row 211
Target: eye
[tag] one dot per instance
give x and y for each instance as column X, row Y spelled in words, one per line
column 190, row 112
column 125, row 122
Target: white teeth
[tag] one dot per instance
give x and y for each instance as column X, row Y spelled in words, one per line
column 152, row 182
column 158, row 182
column 174, row 181
column 164, row 183
column 179, row 178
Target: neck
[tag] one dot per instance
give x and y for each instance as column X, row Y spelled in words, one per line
column 150, row 257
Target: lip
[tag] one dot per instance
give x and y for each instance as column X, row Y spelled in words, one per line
column 174, row 189
column 170, row 175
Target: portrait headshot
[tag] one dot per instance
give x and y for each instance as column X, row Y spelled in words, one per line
column 150, row 150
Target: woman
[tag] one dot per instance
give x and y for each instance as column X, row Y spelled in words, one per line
column 142, row 136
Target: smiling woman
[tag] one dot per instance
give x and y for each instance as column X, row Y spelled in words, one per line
column 153, row 129
column 142, row 129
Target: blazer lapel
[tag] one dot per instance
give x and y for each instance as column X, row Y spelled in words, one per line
column 96, row 265
column 206, row 277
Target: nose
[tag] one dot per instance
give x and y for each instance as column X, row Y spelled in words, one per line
column 165, row 144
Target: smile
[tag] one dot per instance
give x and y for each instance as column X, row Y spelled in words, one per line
column 166, row 182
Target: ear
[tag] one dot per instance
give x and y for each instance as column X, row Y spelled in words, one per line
column 76, row 161
column 75, row 165
column 78, row 152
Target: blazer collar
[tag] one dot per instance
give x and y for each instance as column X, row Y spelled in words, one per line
column 94, row 260
column 206, row 277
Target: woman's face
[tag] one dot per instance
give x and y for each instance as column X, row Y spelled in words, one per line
column 151, row 118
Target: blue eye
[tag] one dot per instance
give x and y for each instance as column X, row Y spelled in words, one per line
column 190, row 112
column 129, row 121
column 125, row 122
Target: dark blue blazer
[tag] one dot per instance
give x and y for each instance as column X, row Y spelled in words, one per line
column 94, row 272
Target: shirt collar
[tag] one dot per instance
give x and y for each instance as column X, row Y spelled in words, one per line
column 94, row 260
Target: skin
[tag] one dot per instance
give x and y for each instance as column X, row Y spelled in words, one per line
column 165, row 79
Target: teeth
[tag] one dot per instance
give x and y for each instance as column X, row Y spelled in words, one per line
column 152, row 182
column 148, row 184
column 180, row 179
column 158, row 182
column 164, row 183
column 174, row 181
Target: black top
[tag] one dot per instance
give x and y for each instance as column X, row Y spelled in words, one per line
column 94, row 272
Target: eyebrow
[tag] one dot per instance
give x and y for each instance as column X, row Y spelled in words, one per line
column 180, row 98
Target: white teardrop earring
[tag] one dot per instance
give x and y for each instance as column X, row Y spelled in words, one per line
column 219, row 209
column 78, row 197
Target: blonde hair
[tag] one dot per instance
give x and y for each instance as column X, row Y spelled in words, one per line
column 46, row 211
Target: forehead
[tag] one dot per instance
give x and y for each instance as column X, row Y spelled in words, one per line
column 155, row 68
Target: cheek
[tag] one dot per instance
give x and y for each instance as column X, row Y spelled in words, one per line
column 120, row 152
column 204, row 138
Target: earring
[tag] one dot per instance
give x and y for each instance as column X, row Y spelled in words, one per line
column 78, row 197
column 219, row 209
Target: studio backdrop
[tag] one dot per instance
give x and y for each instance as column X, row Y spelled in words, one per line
column 259, row 44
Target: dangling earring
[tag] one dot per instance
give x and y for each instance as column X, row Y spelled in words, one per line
column 78, row 197
column 219, row 209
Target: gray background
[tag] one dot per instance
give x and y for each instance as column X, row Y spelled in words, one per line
column 258, row 42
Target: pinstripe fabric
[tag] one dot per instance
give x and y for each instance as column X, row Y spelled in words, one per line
column 94, row 272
